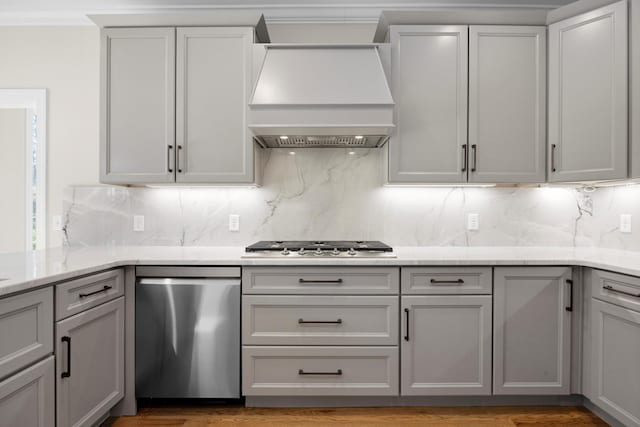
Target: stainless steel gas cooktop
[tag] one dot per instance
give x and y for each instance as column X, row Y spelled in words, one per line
column 319, row 248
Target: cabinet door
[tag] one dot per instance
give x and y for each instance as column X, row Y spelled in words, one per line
column 615, row 369
column 90, row 364
column 213, row 85
column 588, row 96
column 137, row 102
column 446, row 345
column 532, row 330
column 429, row 85
column 507, row 103
column 27, row 398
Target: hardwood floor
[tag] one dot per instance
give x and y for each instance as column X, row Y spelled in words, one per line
column 406, row 416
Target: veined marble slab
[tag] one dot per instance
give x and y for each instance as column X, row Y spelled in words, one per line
column 323, row 194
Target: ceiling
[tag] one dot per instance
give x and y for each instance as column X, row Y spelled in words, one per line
column 72, row 12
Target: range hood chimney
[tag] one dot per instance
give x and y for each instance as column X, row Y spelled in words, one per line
column 321, row 96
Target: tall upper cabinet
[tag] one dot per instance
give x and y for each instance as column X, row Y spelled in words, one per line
column 137, row 140
column 588, row 96
column 429, row 86
column 174, row 102
column 470, row 104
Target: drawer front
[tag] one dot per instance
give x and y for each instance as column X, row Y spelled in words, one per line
column 320, row 280
column 616, row 288
column 320, row 320
column 320, row 371
column 447, row 280
column 27, row 399
column 81, row 294
column 26, row 329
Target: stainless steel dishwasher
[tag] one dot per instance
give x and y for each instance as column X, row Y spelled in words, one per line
column 188, row 332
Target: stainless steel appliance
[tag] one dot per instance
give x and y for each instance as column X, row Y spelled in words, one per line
column 188, row 332
column 322, row 249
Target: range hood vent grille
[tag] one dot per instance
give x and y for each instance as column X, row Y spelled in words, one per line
column 368, row 141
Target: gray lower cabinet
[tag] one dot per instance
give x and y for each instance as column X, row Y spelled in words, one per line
column 213, row 85
column 615, row 382
column 137, row 133
column 446, row 345
column 588, row 94
column 27, row 399
column 507, row 103
column 320, row 371
column 429, row 86
column 90, row 364
column 532, row 330
column 26, row 329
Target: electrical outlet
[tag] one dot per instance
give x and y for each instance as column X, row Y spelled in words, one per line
column 56, row 223
column 138, row 223
column 625, row 223
column 234, row 222
column 473, row 222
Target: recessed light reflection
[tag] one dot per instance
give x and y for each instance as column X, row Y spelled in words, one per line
column 292, row 153
column 352, row 153
column 284, row 137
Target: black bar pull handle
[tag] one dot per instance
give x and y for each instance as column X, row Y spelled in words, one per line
column 329, row 322
column 449, row 282
column 319, row 281
column 620, row 291
column 302, row 372
column 570, row 283
column 105, row 288
column 553, row 157
column 474, row 151
column 406, row 332
column 169, row 149
column 67, row 373
column 465, row 158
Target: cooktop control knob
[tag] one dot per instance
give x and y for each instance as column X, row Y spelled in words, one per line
column 301, row 252
column 335, row 252
column 352, row 252
column 285, row 251
column 318, row 251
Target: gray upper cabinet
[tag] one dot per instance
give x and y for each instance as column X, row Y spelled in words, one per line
column 446, row 345
column 588, row 93
column 507, row 104
column 174, row 105
column 429, row 85
column 90, row 364
column 532, row 330
column 138, row 104
column 615, row 371
column 213, row 85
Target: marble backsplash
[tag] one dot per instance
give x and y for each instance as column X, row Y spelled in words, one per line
column 331, row 194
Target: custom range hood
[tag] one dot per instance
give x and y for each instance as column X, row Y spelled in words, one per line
column 321, row 96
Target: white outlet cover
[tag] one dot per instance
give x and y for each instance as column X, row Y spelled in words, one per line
column 473, row 222
column 56, row 223
column 138, row 223
column 625, row 223
column 234, row 222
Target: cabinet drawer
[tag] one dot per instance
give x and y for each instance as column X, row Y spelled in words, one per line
column 447, row 280
column 616, row 288
column 320, row 371
column 81, row 294
column 320, row 320
column 26, row 329
column 320, row 280
column 27, row 399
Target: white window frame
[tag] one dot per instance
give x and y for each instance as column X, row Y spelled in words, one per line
column 35, row 102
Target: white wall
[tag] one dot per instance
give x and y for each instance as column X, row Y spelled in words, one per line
column 63, row 60
column 12, row 179
column 321, row 33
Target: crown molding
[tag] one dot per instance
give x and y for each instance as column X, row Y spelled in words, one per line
column 273, row 13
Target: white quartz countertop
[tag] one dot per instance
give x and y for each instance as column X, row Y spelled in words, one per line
column 27, row 270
